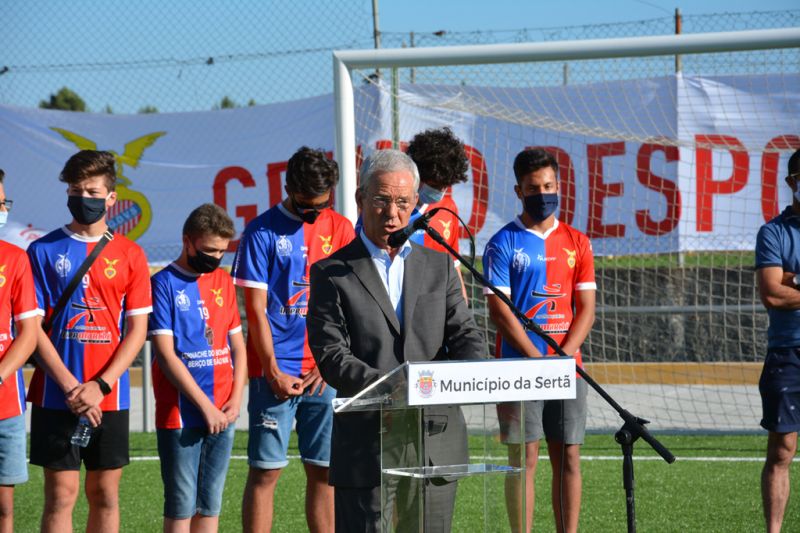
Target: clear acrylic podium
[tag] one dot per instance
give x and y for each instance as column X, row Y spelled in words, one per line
column 430, row 451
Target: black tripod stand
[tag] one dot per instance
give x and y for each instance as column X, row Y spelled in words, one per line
column 633, row 427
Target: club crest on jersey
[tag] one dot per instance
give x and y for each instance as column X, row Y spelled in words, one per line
column 521, row 260
column 182, row 301
column 63, row 265
column 327, row 247
column 571, row 260
column 446, row 228
column 2, row 275
column 284, row 246
column 218, row 297
column 426, row 385
column 110, row 271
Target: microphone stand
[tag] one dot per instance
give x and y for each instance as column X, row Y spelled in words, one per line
column 633, row 426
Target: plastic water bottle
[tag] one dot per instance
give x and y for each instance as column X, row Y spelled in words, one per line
column 82, row 434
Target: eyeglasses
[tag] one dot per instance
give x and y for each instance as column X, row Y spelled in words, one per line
column 382, row 202
column 7, row 204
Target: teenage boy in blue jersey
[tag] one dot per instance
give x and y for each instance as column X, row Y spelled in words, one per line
column 272, row 264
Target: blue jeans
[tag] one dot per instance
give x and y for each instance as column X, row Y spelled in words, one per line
column 193, row 467
column 271, row 424
column 13, row 466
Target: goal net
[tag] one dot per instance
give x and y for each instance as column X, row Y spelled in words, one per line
column 668, row 163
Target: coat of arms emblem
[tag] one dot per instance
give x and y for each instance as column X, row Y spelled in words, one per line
column 426, row 385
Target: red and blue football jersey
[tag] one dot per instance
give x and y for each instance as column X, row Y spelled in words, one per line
column 199, row 312
column 541, row 273
column 444, row 222
column 87, row 332
column 17, row 302
column 275, row 253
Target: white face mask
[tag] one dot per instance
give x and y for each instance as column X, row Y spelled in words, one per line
column 429, row 195
column 797, row 193
column 3, row 218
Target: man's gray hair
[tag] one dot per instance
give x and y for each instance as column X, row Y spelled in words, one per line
column 382, row 161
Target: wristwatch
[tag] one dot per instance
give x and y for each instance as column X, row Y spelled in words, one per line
column 104, row 387
column 796, row 280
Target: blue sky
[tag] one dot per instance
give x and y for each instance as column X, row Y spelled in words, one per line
column 154, row 52
column 402, row 15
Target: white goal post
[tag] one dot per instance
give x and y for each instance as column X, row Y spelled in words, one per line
column 345, row 61
column 668, row 166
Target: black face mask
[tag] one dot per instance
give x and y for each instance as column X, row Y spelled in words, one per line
column 85, row 210
column 203, row 263
column 308, row 215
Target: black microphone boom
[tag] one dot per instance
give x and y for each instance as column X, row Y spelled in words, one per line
column 399, row 237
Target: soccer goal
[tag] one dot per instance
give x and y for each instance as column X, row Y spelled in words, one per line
column 672, row 152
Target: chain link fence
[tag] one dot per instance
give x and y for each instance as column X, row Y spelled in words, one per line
column 151, row 56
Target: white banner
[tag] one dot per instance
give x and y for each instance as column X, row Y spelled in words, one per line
column 167, row 164
column 709, row 188
column 491, row 381
column 647, row 166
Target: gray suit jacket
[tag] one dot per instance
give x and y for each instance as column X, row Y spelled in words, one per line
column 355, row 338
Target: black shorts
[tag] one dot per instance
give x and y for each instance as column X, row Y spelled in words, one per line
column 51, row 430
column 780, row 390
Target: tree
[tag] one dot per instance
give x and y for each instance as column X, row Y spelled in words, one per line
column 65, row 99
column 148, row 110
column 108, row 110
column 226, row 103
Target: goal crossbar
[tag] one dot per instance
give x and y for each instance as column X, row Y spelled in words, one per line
column 345, row 61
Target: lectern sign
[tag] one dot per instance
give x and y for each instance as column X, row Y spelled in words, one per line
column 491, row 381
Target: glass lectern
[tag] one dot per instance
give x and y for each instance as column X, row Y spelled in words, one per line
column 434, row 454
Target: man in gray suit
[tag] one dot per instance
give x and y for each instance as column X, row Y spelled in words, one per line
column 371, row 308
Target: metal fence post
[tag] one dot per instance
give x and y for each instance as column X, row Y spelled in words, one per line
column 147, row 403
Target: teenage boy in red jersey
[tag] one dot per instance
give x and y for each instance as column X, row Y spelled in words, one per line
column 84, row 359
column 272, row 264
column 442, row 162
column 547, row 269
column 199, row 372
column 17, row 306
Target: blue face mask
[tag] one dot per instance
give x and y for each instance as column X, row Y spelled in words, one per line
column 429, row 195
column 3, row 218
column 540, row 206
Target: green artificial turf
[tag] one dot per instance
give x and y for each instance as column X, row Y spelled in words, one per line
column 689, row 495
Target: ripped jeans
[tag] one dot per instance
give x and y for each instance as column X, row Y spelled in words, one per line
column 271, row 422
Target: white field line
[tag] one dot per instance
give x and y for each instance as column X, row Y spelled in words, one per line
column 544, row 457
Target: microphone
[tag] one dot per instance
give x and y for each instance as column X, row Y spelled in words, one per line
column 399, row 237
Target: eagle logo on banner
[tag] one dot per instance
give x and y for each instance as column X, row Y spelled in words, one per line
column 131, row 214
